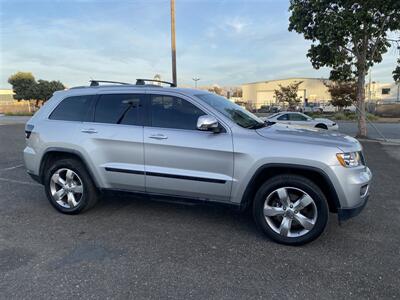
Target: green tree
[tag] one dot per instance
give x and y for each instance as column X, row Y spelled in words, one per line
column 23, row 84
column 396, row 72
column 288, row 94
column 343, row 93
column 45, row 89
column 27, row 88
column 347, row 36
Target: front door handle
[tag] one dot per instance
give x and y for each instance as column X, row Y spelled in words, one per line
column 89, row 130
column 158, row 137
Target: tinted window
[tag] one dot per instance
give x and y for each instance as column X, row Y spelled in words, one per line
column 120, row 109
column 283, row 117
column 297, row 117
column 172, row 112
column 72, row 109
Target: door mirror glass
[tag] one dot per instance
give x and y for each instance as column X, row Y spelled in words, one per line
column 207, row 123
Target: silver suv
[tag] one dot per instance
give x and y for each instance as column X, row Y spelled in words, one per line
column 193, row 145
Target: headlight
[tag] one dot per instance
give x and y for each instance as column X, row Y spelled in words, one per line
column 350, row 159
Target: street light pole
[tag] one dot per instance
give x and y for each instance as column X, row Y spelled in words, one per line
column 195, row 79
column 173, row 46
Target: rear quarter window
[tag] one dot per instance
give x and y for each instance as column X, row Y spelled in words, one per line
column 73, row 108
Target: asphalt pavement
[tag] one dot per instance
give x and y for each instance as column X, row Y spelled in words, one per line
column 129, row 247
column 390, row 131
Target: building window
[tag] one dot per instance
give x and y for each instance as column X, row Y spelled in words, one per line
column 386, row 91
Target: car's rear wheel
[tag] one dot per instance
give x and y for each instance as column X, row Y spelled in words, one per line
column 69, row 187
column 290, row 209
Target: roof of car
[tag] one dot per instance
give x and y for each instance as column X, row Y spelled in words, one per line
column 133, row 87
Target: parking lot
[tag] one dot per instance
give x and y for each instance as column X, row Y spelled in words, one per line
column 137, row 248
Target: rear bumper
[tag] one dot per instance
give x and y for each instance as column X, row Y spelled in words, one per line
column 347, row 213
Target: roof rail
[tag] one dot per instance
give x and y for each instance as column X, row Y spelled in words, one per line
column 97, row 82
column 141, row 81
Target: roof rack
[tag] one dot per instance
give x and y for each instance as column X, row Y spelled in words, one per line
column 141, row 81
column 97, row 82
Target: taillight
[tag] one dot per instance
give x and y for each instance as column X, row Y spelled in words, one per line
column 28, row 130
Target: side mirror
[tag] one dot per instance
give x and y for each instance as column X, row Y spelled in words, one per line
column 207, row 123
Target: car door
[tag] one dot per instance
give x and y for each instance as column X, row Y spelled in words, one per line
column 298, row 119
column 284, row 118
column 114, row 140
column 181, row 160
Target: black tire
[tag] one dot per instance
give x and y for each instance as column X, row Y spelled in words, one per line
column 303, row 184
column 321, row 126
column 89, row 196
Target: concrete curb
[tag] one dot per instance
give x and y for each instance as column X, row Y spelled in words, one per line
column 393, row 142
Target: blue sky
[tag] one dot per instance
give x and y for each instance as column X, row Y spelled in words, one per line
column 224, row 42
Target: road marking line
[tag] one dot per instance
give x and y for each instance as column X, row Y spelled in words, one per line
column 18, row 181
column 11, row 168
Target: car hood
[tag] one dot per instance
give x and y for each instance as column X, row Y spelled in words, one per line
column 298, row 134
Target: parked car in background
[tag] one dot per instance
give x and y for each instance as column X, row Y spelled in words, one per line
column 328, row 108
column 275, row 109
column 296, row 118
column 264, row 109
column 317, row 109
column 351, row 108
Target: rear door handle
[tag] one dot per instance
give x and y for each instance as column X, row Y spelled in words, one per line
column 158, row 137
column 89, row 130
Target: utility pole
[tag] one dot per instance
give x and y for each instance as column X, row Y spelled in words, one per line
column 173, row 46
column 195, row 79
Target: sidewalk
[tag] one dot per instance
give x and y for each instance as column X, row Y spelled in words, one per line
column 9, row 120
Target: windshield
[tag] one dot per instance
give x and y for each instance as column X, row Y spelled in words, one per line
column 232, row 111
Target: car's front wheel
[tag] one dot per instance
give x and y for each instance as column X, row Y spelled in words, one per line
column 290, row 209
column 69, row 186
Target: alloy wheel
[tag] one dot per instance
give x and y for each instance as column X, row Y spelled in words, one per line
column 66, row 188
column 290, row 212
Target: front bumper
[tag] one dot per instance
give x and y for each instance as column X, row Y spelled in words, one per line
column 34, row 177
column 334, row 127
column 347, row 213
column 352, row 186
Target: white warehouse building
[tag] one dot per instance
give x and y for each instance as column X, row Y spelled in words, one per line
column 262, row 92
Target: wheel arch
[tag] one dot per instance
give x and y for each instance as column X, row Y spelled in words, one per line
column 321, row 125
column 318, row 176
column 56, row 153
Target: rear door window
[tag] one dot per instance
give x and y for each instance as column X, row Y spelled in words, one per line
column 125, row 109
column 74, row 108
column 297, row 117
column 284, row 117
